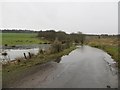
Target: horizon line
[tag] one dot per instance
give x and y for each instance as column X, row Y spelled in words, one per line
column 63, row 31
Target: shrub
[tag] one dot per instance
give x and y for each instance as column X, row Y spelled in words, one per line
column 6, row 45
column 41, row 51
column 56, row 46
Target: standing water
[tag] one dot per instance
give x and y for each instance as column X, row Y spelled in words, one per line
column 13, row 54
column 19, row 51
column 85, row 67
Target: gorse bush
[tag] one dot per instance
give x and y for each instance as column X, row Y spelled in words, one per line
column 56, row 46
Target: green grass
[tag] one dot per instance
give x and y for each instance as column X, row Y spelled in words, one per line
column 111, row 50
column 20, row 39
column 0, row 38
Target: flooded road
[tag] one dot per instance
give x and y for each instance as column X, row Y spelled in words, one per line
column 85, row 67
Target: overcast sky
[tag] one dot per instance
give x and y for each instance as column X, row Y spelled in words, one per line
column 87, row 17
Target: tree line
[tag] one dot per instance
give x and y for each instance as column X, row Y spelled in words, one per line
column 60, row 40
column 17, row 31
column 62, row 36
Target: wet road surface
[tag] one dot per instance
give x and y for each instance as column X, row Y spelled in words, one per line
column 85, row 67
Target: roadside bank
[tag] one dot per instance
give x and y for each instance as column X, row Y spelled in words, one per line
column 14, row 72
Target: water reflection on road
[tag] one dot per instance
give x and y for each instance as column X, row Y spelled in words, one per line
column 85, row 67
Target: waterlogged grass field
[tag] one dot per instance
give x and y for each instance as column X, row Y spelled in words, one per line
column 20, row 39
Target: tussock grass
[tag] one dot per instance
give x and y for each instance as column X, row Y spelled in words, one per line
column 110, row 45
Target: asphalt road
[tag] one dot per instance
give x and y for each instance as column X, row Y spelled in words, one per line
column 85, row 67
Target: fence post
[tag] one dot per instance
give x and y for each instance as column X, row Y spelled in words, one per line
column 25, row 56
column 29, row 54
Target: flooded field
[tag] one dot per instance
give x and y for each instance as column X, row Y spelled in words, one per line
column 19, row 51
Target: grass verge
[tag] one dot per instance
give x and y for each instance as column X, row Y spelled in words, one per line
column 12, row 72
column 109, row 46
